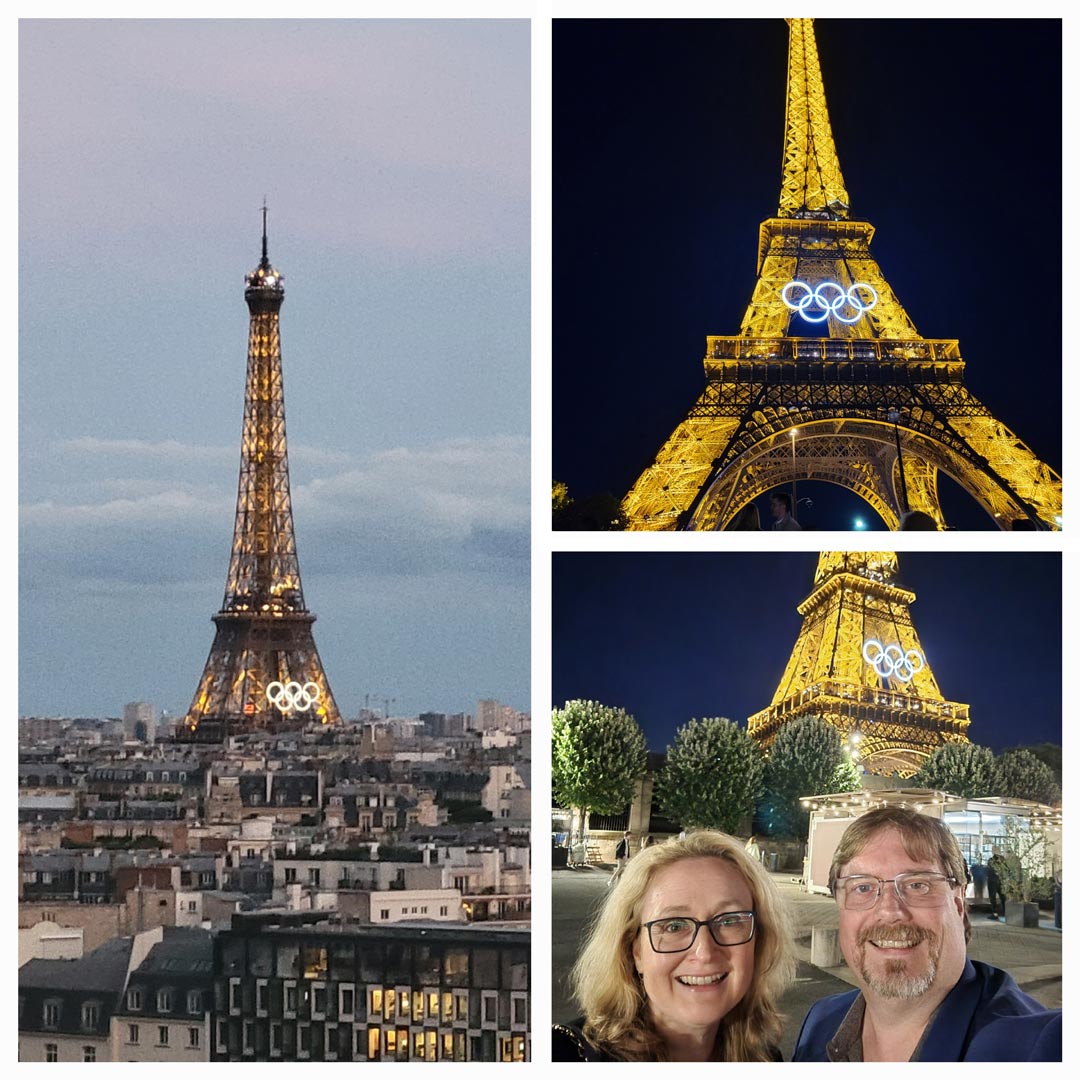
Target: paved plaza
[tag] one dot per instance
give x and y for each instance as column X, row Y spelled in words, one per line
column 1032, row 957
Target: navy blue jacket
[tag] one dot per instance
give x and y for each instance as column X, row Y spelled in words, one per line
column 985, row 1017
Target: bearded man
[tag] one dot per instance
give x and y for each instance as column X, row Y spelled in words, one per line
column 898, row 878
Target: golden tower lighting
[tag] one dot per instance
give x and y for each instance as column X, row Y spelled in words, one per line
column 871, row 398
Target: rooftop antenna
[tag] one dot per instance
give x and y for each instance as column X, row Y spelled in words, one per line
column 265, row 256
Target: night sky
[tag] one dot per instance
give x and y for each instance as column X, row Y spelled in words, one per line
column 669, row 637
column 667, row 156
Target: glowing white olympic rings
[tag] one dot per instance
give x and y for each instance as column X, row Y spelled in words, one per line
column 890, row 661
column 817, row 300
column 291, row 696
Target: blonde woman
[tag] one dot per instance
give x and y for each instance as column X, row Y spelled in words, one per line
column 685, row 962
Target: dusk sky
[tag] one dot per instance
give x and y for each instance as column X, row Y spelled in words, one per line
column 394, row 156
column 668, row 139
column 671, row 637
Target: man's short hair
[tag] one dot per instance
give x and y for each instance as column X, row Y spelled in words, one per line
column 784, row 497
column 925, row 839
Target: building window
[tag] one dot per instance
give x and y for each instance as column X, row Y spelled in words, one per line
column 384, row 913
column 48, row 916
column 390, row 1042
column 491, row 1009
column 193, row 1038
column 134, row 999
column 133, row 1033
column 390, row 1002
column 313, row 875
column 163, row 1035
column 330, row 1042
column 318, row 1001
column 303, row 1040
column 249, row 1037
column 346, row 1000
column 89, row 1053
column 194, row 1002
column 444, row 910
column 372, row 1043
column 50, row 1014
column 418, row 1006
column 90, row 1015
column 290, row 875
column 433, row 1005
column 521, row 1011
column 234, row 995
column 50, row 1052
column 191, row 905
column 418, row 1046
column 164, row 1001
column 275, row 1038
column 262, row 997
column 290, row 999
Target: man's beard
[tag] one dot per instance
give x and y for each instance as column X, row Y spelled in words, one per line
column 896, row 982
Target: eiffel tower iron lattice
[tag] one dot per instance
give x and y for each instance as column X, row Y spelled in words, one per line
column 858, row 664
column 263, row 671
column 874, row 406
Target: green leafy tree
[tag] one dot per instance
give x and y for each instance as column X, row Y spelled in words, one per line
column 712, row 775
column 847, row 777
column 1019, row 774
column 601, row 512
column 803, row 760
column 1049, row 754
column 960, row 769
column 598, row 755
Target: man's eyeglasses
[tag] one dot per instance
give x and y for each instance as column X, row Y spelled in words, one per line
column 678, row 933
column 857, row 892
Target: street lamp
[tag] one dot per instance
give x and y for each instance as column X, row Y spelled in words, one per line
column 794, row 490
column 894, row 419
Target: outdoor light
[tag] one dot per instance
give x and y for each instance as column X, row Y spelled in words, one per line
column 859, row 523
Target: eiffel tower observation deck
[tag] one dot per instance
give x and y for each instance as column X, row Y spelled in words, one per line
column 859, row 665
column 828, row 378
column 263, row 672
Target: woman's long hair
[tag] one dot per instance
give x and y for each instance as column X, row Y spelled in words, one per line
column 604, row 979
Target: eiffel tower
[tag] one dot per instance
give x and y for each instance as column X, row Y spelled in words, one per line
column 263, row 671
column 858, row 664
column 873, row 406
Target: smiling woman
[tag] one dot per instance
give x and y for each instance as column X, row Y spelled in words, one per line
column 685, row 962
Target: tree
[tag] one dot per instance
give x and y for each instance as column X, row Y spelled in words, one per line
column 598, row 755
column 712, row 775
column 601, row 512
column 560, row 496
column 960, row 769
column 803, row 760
column 1048, row 753
column 1019, row 774
column 847, row 777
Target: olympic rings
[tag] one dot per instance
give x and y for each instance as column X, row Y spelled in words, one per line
column 291, row 696
column 890, row 661
column 816, row 300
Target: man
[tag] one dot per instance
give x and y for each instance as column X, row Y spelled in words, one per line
column 898, row 879
column 780, row 505
column 995, row 867
column 622, row 857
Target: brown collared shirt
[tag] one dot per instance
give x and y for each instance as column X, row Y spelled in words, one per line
column 846, row 1044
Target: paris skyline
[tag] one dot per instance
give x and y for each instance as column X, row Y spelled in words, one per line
column 394, row 157
column 670, row 637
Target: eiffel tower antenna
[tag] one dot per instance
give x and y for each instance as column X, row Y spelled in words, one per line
column 263, row 671
column 859, row 665
column 872, row 405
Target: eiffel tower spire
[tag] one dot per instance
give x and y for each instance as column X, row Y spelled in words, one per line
column 858, row 664
column 868, row 403
column 812, row 185
column 263, row 671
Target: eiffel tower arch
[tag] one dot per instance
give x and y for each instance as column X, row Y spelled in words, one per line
column 858, row 664
column 828, row 378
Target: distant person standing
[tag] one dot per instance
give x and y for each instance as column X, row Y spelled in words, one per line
column 780, row 505
column 995, row 867
column 752, row 849
column 746, row 520
column 622, row 857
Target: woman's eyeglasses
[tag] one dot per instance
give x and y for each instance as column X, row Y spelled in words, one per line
column 678, row 933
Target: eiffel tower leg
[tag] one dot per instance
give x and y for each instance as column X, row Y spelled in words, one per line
column 920, row 478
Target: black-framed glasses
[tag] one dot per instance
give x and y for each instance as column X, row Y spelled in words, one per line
column 858, row 892
column 677, row 933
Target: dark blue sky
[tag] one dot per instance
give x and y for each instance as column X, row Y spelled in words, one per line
column 667, row 156
column 669, row 637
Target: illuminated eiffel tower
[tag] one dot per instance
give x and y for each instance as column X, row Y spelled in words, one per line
column 263, row 671
column 873, row 406
column 858, row 664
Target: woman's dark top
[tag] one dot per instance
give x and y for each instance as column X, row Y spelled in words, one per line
column 568, row 1043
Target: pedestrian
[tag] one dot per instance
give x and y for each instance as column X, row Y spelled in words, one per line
column 780, row 505
column 746, row 520
column 622, row 857
column 752, row 849
column 995, row 867
column 647, row 841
